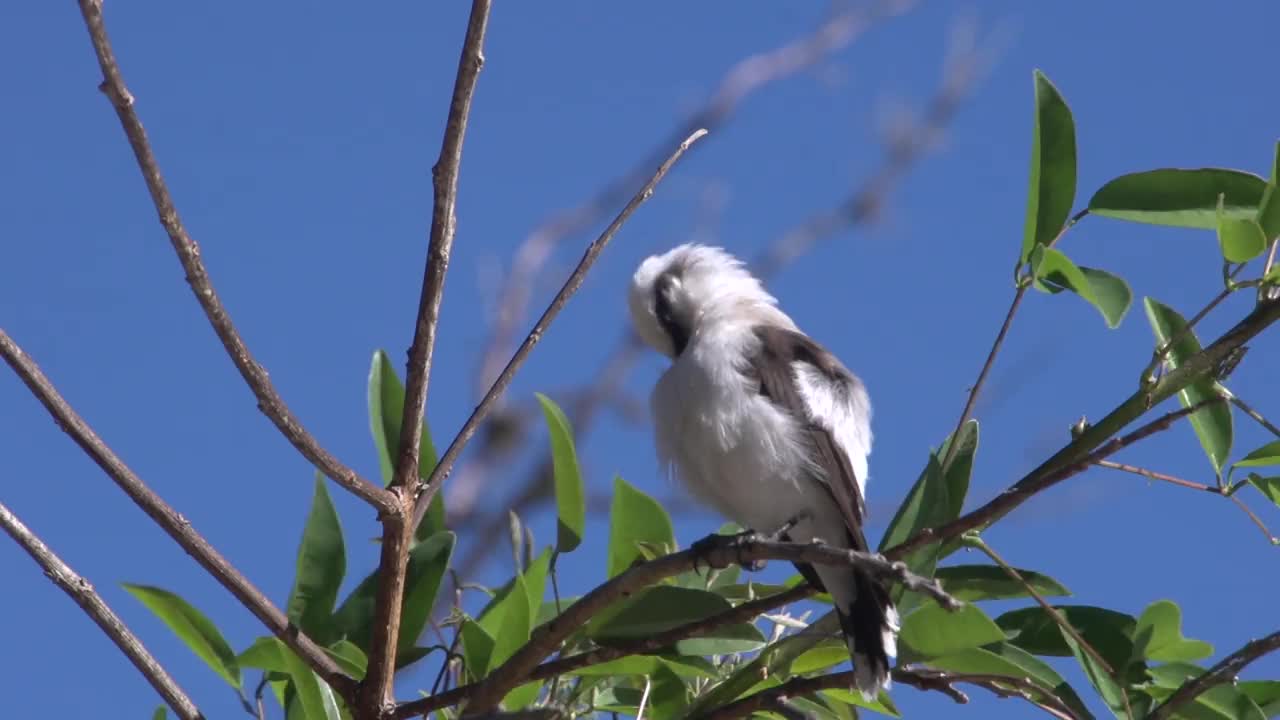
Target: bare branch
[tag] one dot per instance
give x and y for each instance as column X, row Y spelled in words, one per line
column 716, row 551
column 743, row 79
column 445, row 465
column 377, row 690
column 83, row 593
column 1224, row 672
column 443, row 226
column 172, row 522
column 269, row 401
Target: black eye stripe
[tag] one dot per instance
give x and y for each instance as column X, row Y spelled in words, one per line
column 666, row 314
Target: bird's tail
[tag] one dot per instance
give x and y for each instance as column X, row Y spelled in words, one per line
column 870, row 626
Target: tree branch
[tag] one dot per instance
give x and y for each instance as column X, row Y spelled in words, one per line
column 1224, row 672
column 442, row 469
column 269, row 401
column 172, row 522
column 83, row 593
column 377, row 690
column 716, row 551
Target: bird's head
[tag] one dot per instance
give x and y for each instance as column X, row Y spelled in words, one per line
column 676, row 295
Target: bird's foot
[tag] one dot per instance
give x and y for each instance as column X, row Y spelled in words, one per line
column 706, row 546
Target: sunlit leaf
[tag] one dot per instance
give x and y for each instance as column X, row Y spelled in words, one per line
column 1212, row 424
column 1221, row 702
column 314, row 695
column 1109, row 293
column 635, row 517
column 1268, row 454
column 192, row 627
column 1036, row 631
column 1011, row 661
column 1052, row 188
column 516, row 624
column 1158, row 635
column 988, row 582
column 1241, row 239
column 1183, row 198
column 571, row 499
column 322, row 563
column 1269, row 486
column 477, row 649
column 350, row 658
column 653, row 610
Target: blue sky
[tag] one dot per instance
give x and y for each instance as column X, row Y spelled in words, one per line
column 298, row 146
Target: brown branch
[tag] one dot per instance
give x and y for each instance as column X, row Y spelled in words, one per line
column 443, row 227
column 172, row 522
column 269, row 401
column 377, row 690
column 570, row 287
column 1224, row 672
column 716, row 551
column 746, row 77
column 84, row 595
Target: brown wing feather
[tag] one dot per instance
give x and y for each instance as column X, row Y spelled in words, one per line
column 773, row 366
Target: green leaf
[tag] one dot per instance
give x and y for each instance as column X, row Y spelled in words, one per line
column 316, row 698
column 428, row 561
column 934, row 500
column 160, row 713
column 1158, row 635
column 724, row 640
column 635, row 517
column 1108, row 631
column 1264, row 693
column 522, row 696
column 386, row 413
column 349, row 657
column 1113, row 694
column 1268, row 454
column 654, row 610
column 628, row 665
column 477, row 648
column 1177, row 197
column 516, row 624
column 571, row 499
column 1212, row 424
column 828, row 653
column 1241, row 239
column 193, row 628
column 322, row 563
column 1109, row 293
column 535, row 583
column 1011, row 661
column 1269, row 212
column 883, row 704
column 933, row 632
column 988, row 582
column 1269, row 486
column 1053, row 168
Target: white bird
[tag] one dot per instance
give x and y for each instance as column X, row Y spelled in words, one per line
column 764, row 425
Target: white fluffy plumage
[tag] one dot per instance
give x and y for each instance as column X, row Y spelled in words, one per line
column 763, row 424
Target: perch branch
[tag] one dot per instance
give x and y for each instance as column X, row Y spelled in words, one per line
column 88, row 599
column 172, row 522
column 256, row 376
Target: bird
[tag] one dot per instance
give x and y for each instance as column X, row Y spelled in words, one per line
column 766, row 426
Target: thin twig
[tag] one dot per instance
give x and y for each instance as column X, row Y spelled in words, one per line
column 256, row 376
column 1257, row 416
column 1224, row 672
column 377, row 690
column 172, row 522
column 571, row 285
column 79, row 590
column 1256, row 520
column 1058, row 618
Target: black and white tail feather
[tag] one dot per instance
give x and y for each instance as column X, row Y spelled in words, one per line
column 765, row 425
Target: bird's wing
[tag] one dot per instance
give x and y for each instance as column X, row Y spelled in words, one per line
column 806, row 380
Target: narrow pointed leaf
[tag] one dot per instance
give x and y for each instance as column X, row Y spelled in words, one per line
column 571, row 498
column 1052, row 188
column 933, row 632
column 349, row 657
column 535, row 583
column 635, row 517
column 192, row 627
column 988, row 582
column 477, row 648
column 1212, row 424
column 1269, row 212
column 1268, row 454
column 160, row 713
column 386, row 413
column 314, row 696
column 516, row 624
column 1269, row 486
column 1011, row 661
column 1036, row 631
column 1182, row 198
column 322, row 563
column 654, row 610
column 1111, row 293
